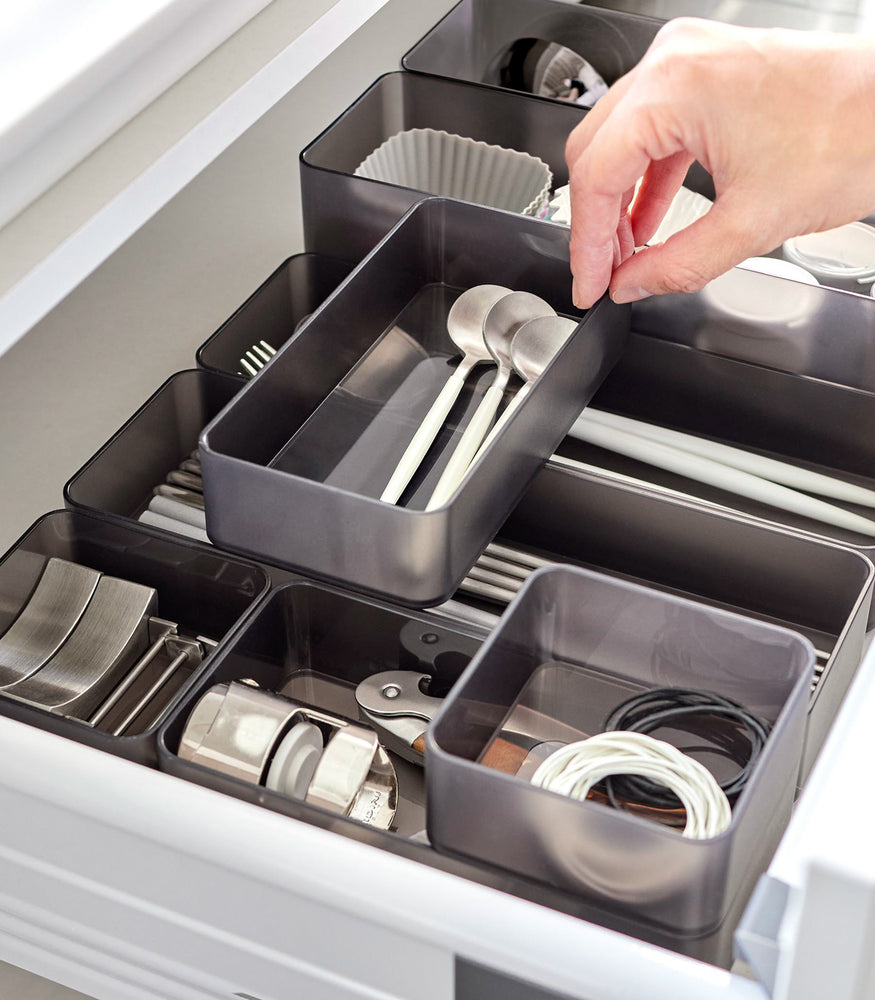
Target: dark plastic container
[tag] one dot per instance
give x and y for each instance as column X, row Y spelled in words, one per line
column 822, row 590
column 295, row 289
column 572, row 645
column 815, row 587
column 315, row 644
column 336, row 445
column 806, row 421
column 469, row 43
column 818, row 333
column 205, row 592
column 345, row 216
column 120, row 477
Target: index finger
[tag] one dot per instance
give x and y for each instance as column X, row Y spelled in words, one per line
column 609, row 160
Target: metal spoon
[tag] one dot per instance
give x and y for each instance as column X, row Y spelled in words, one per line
column 533, row 347
column 465, row 327
column 501, row 323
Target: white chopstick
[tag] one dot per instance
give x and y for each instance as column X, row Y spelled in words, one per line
column 575, row 465
column 714, row 473
column 757, row 465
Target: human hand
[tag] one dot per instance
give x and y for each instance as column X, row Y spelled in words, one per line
column 784, row 121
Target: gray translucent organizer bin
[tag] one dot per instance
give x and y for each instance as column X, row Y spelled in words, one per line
column 294, row 466
column 471, row 40
column 822, row 590
column 345, row 216
column 806, row 421
column 205, row 592
column 572, row 646
column 120, row 477
column 314, row 644
column 819, row 333
column 295, row 289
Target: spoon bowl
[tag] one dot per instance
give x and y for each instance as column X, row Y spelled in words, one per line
column 536, row 343
column 532, row 348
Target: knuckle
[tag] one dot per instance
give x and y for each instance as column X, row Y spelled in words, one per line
column 680, row 51
column 679, row 29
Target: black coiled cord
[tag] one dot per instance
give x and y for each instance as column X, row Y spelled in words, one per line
column 733, row 731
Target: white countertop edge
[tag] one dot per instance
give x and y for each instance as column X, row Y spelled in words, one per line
column 34, row 295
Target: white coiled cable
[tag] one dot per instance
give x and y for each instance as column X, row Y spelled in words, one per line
column 574, row 769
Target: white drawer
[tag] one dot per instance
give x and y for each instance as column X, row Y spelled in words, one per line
column 129, row 884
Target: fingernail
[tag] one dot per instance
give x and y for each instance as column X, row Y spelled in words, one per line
column 629, row 293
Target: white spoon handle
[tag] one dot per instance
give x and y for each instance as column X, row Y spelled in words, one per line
column 757, row 465
column 425, row 434
column 502, row 420
column 171, row 524
column 467, row 447
column 705, row 471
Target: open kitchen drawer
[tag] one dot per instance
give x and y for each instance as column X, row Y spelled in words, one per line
column 128, row 883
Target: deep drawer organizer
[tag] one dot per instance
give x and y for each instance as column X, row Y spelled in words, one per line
column 314, row 645
column 122, row 476
column 345, row 215
column 819, row 589
column 809, row 422
column 294, row 467
column 272, row 313
column 471, row 40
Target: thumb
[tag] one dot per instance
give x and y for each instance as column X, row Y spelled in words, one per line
column 691, row 258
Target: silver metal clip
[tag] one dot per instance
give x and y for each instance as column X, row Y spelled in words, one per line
column 397, row 707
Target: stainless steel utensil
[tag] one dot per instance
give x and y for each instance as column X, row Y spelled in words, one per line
column 182, row 651
column 186, row 480
column 256, row 358
column 44, row 624
column 181, row 494
column 354, row 777
column 108, row 639
column 173, row 524
column 501, row 323
column 393, row 702
column 179, row 511
column 159, row 628
column 533, row 347
column 465, row 328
